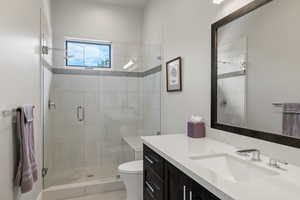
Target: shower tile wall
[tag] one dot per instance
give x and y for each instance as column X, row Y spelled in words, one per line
column 93, row 147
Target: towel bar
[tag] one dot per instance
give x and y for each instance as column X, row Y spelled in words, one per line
column 285, row 112
column 277, row 104
column 9, row 113
column 291, row 112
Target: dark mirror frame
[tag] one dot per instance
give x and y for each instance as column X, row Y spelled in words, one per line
column 275, row 138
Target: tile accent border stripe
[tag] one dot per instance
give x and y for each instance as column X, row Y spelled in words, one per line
column 152, row 71
column 46, row 64
column 91, row 72
column 232, row 74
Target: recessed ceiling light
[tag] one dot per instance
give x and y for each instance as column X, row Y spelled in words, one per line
column 217, row 1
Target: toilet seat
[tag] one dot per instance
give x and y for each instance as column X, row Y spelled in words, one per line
column 134, row 167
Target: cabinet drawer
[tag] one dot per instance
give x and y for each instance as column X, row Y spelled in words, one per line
column 154, row 161
column 153, row 185
column 149, row 196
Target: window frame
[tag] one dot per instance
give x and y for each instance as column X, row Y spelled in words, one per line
column 92, row 43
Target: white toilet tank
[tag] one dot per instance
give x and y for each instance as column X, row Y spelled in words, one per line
column 132, row 175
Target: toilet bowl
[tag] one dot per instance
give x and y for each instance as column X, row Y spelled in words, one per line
column 132, row 175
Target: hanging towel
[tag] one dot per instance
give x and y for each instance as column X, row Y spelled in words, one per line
column 291, row 119
column 27, row 173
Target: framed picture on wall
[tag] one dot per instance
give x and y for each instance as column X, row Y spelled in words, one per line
column 174, row 81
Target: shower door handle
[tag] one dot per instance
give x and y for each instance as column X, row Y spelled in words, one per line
column 80, row 113
column 83, row 114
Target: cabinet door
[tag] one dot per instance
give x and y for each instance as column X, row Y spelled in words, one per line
column 200, row 193
column 191, row 189
column 173, row 185
column 154, row 161
column 153, row 186
column 179, row 186
column 195, row 191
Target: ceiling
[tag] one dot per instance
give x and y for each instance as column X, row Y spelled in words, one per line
column 135, row 3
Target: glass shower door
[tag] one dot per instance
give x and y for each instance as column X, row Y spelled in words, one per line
column 112, row 113
column 64, row 144
column 93, row 114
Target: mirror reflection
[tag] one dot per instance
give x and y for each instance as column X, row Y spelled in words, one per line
column 259, row 69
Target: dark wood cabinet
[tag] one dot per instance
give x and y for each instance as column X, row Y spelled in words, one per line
column 166, row 182
column 153, row 175
column 173, row 188
column 154, row 161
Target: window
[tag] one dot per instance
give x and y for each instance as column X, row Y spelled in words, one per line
column 85, row 54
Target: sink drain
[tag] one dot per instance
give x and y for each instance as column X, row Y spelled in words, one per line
column 90, row 175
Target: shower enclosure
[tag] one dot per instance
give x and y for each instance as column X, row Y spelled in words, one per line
column 232, row 73
column 88, row 112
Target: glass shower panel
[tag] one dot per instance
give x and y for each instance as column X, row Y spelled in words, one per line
column 120, row 116
column 151, row 91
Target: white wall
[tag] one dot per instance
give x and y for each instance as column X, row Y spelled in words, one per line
column 94, row 20
column 186, row 33
column 19, row 85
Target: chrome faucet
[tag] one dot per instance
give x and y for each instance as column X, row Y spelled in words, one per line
column 276, row 163
column 255, row 153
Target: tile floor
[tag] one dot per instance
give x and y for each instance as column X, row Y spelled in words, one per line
column 116, row 195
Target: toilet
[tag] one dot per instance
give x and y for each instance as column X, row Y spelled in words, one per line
column 132, row 175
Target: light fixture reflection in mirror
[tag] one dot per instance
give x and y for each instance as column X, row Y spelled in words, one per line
column 217, row 1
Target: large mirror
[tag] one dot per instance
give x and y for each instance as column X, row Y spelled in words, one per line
column 256, row 71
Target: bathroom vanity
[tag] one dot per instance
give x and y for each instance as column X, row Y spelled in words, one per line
column 162, row 180
column 180, row 168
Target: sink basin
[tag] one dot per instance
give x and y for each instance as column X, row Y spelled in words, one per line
column 232, row 168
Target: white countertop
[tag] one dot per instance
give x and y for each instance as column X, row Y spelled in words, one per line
column 177, row 149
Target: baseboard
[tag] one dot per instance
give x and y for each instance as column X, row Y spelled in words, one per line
column 40, row 197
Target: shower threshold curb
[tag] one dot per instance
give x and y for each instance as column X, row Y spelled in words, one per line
column 73, row 190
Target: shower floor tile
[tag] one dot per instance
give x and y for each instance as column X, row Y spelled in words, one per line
column 116, row 195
